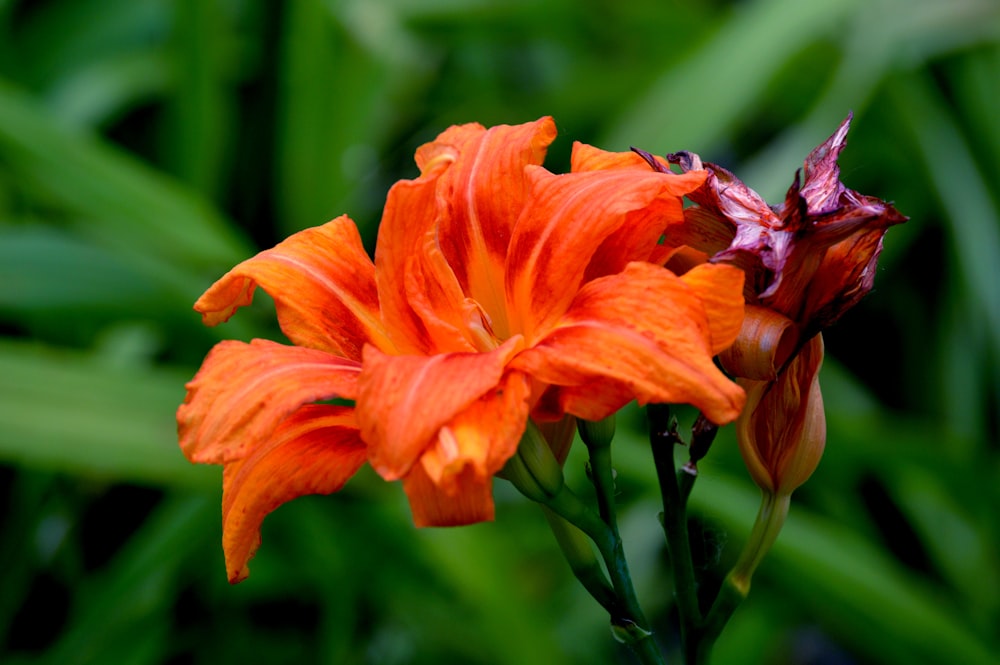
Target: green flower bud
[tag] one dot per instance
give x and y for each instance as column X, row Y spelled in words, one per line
column 533, row 469
column 597, row 433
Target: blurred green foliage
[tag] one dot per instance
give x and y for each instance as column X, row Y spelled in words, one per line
column 146, row 146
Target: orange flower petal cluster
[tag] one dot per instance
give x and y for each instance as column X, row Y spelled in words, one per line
column 807, row 260
column 499, row 291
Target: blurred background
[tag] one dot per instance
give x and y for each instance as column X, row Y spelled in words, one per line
column 147, row 146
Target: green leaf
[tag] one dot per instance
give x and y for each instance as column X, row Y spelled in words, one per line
column 134, row 596
column 126, row 203
column 344, row 70
column 42, row 268
column 698, row 99
column 72, row 413
column 202, row 109
column 964, row 193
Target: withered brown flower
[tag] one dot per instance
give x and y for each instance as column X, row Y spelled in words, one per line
column 807, row 261
column 811, row 257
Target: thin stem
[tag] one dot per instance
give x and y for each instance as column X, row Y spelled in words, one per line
column 597, row 437
column 770, row 519
column 703, row 433
column 627, row 619
column 685, row 481
column 578, row 551
column 602, row 475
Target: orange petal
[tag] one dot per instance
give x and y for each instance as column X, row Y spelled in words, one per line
column 567, row 219
column 243, row 391
column 636, row 240
column 766, row 341
column 641, row 334
column 423, row 301
column 404, row 401
column 323, row 285
column 483, row 436
column 452, row 485
column 845, row 275
column 409, row 216
column 470, row 502
column 480, row 198
column 443, row 236
column 677, row 260
column 720, row 289
column 588, row 158
column 702, row 230
column 435, row 296
column 314, row 451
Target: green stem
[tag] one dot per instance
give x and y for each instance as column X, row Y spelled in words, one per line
column 627, row 619
column 630, row 626
column 685, row 482
column 770, row 519
column 662, row 437
column 534, row 471
column 602, row 475
column 703, row 433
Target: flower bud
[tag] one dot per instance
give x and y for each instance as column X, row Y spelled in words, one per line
column 597, row 433
column 782, row 430
column 533, row 469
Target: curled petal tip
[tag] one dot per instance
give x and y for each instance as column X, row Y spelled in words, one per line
column 651, row 160
column 765, row 342
column 688, row 161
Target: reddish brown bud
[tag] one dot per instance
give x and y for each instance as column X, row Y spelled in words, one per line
column 782, row 430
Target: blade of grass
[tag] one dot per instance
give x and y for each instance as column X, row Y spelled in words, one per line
column 116, row 610
column 69, row 412
column 325, row 108
column 43, row 268
column 699, row 99
column 125, row 201
column 95, row 94
column 345, row 70
column 201, row 109
column 57, row 38
column 973, row 219
column 880, row 38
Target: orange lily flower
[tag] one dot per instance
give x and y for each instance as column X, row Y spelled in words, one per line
column 499, row 291
column 807, row 261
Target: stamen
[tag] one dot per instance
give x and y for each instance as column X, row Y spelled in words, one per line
column 480, row 326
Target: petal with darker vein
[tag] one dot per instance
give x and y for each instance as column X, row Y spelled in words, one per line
column 641, row 334
column 566, row 220
column 404, row 401
column 323, row 285
column 314, row 451
column 243, row 391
